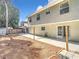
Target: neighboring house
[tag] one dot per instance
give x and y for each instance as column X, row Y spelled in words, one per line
column 24, row 25
column 52, row 19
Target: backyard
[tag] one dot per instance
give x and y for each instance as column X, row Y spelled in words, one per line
column 20, row 47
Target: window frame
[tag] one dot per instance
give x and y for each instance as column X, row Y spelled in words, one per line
column 30, row 19
column 47, row 11
column 64, row 8
column 60, row 28
column 43, row 28
column 38, row 17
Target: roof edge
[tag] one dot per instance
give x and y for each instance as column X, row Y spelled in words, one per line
column 46, row 7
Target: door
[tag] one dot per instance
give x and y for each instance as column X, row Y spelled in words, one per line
column 62, row 31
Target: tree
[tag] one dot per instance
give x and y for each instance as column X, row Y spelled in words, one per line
column 13, row 15
column 2, row 15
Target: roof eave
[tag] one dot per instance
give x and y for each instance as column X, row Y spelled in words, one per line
column 59, row 1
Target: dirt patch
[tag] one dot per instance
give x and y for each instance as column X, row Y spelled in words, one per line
column 19, row 47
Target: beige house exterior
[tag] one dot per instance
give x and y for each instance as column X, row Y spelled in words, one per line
column 52, row 19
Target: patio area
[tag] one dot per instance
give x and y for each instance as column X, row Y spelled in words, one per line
column 73, row 46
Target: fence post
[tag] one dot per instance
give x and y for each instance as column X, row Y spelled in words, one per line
column 67, row 38
column 34, row 33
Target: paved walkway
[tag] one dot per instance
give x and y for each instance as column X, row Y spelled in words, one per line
column 72, row 47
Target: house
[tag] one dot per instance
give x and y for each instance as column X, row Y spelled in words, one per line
column 24, row 23
column 52, row 19
column 24, row 26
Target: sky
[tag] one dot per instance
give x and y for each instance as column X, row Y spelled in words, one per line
column 27, row 7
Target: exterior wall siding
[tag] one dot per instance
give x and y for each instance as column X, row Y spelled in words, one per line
column 52, row 30
column 55, row 16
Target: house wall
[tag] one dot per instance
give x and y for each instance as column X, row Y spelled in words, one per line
column 55, row 16
column 52, row 30
column 50, row 21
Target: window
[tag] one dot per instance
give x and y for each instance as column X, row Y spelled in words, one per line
column 38, row 16
column 60, row 31
column 42, row 28
column 64, row 8
column 30, row 20
column 47, row 11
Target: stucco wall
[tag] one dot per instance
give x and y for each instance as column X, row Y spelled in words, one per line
column 55, row 16
column 52, row 30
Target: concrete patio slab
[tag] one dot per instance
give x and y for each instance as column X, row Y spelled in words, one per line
column 72, row 47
